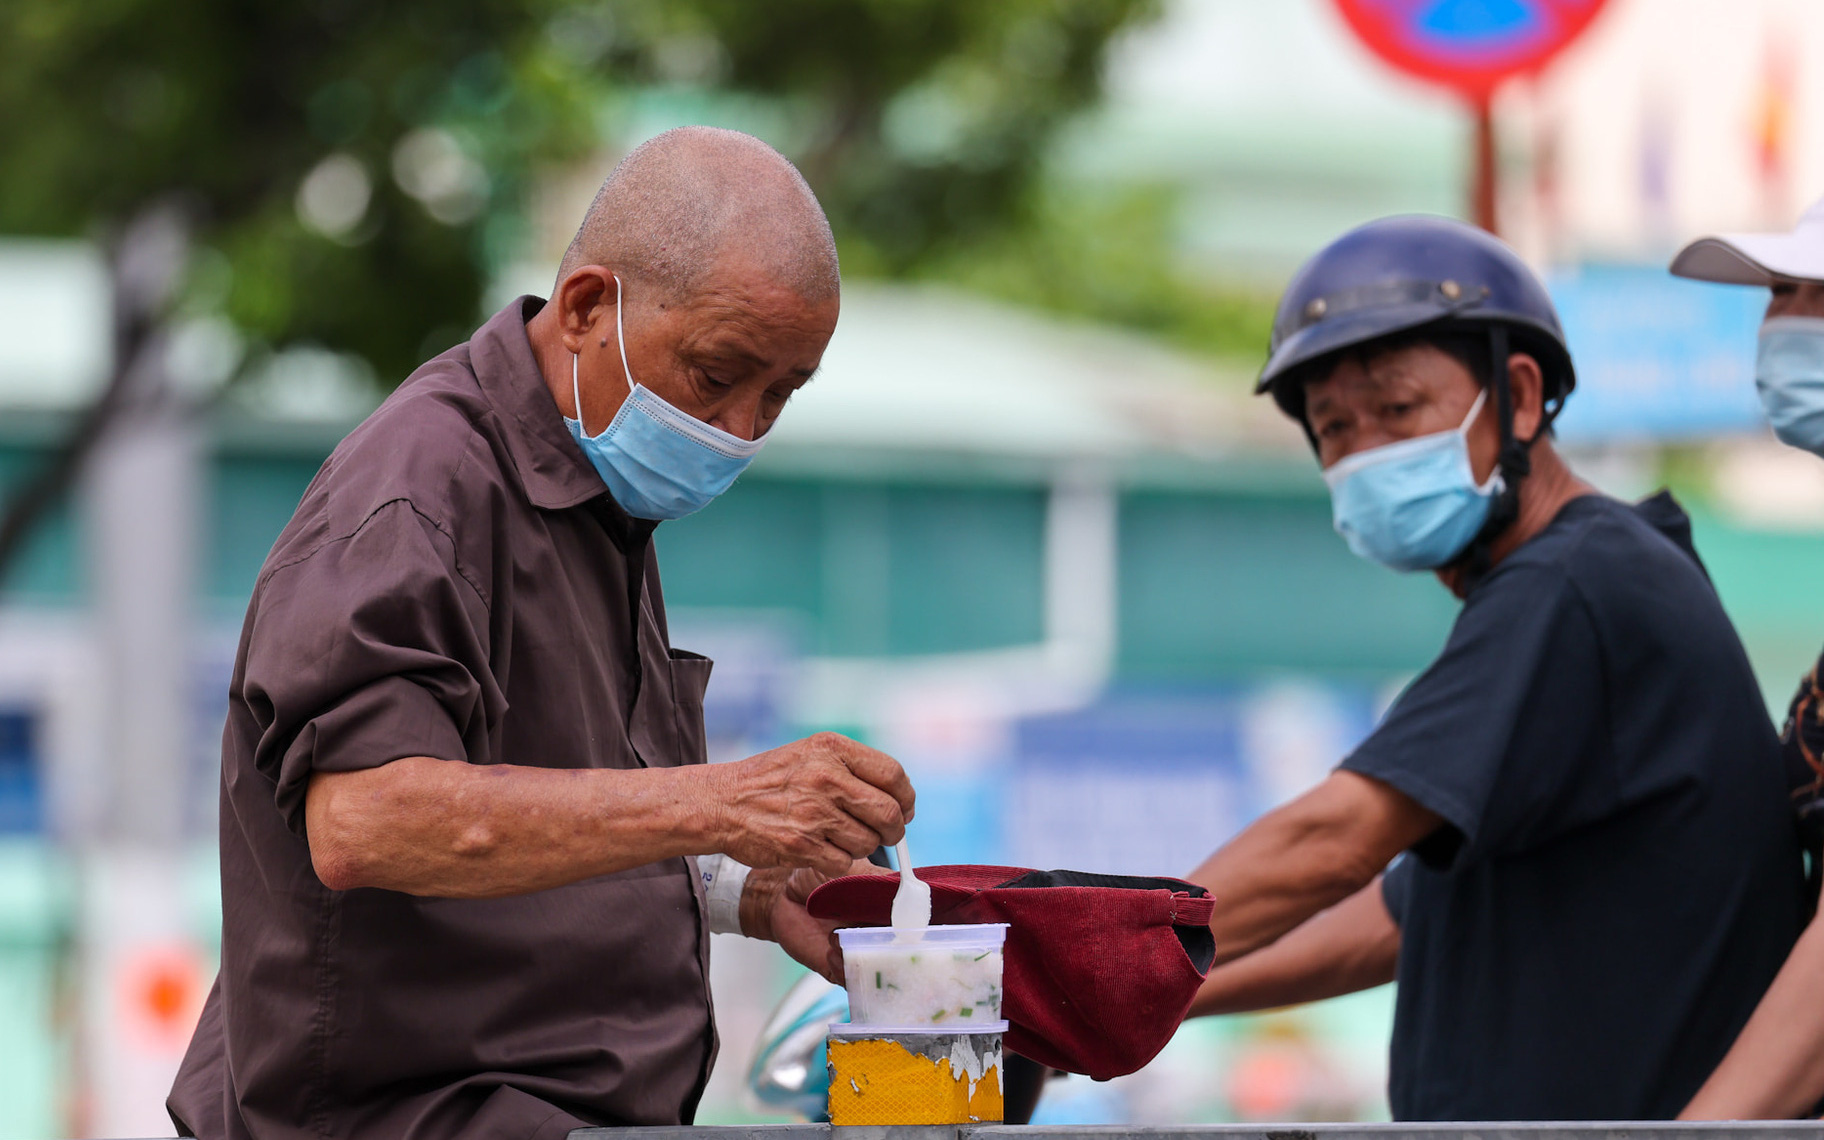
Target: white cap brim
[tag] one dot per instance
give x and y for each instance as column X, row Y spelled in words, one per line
column 1754, row 259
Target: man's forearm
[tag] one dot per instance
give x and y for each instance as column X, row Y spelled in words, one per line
column 1775, row 1069
column 447, row 828
column 456, row 830
column 1352, row 946
column 1306, row 857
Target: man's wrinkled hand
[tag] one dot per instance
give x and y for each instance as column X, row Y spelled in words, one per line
column 821, row 802
column 773, row 908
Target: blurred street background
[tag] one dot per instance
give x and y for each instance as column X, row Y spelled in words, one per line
column 1028, row 530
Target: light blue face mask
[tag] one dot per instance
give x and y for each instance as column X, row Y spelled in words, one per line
column 658, row 462
column 1415, row 504
column 1789, row 373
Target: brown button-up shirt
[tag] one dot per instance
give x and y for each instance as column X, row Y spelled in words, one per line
column 458, row 584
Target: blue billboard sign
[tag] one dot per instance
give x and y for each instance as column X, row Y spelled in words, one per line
column 1657, row 357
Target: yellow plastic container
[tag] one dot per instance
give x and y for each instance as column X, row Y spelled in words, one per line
column 894, row 1077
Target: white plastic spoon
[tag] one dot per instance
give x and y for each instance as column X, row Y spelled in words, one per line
column 912, row 903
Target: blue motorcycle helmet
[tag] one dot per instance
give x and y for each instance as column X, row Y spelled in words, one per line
column 1422, row 277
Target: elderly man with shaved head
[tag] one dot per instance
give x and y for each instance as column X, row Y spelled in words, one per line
column 471, row 852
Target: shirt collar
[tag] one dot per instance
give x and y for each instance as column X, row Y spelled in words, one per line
column 553, row 470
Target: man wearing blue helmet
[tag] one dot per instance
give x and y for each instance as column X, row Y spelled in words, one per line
column 1599, row 879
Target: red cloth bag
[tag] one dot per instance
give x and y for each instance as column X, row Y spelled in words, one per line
column 1099, row 970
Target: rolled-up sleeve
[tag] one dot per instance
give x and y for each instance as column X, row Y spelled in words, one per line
column 370, row 648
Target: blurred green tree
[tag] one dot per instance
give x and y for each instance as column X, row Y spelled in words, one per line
column 355, row 169
column 1110, row 254
column 339, row 160
column 922, row 124
column 351, row 172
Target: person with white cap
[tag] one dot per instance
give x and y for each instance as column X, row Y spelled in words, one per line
column 1789, row 369
column 1775, row 1069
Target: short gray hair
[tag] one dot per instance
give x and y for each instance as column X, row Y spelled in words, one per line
column 684, row 199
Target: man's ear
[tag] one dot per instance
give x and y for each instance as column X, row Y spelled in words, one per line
column 583, row 299
column 1526, row 383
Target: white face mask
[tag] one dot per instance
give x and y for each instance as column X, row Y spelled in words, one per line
column 1415, row 504
column 659, row 462
column 1789, row 374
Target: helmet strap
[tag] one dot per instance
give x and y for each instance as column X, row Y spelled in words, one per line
column 1514, row 460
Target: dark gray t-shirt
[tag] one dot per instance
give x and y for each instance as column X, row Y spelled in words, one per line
column 1618, row 877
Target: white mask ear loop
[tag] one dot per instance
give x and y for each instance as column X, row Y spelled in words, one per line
column 620, row 339
column 1475, row 410
column 576, row 393
column 1494, row 482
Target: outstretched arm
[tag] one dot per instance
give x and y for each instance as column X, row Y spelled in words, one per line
column 1306, row 857
column 1352, row 946
column 1775, row 1069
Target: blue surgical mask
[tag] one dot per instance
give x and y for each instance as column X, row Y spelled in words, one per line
column 658, row 462
column 1415, row 504
column 1789, row 372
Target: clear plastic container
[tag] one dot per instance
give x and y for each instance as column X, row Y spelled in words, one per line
column 915, row 980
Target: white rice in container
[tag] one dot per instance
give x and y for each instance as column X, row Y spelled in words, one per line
column 931, row 985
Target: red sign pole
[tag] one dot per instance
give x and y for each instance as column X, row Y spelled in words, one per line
column 1483, row 174
column 1411, row 36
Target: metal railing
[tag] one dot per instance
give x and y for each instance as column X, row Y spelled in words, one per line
column 1525, row 1130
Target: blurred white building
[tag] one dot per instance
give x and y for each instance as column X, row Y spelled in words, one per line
column 1669, row 118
